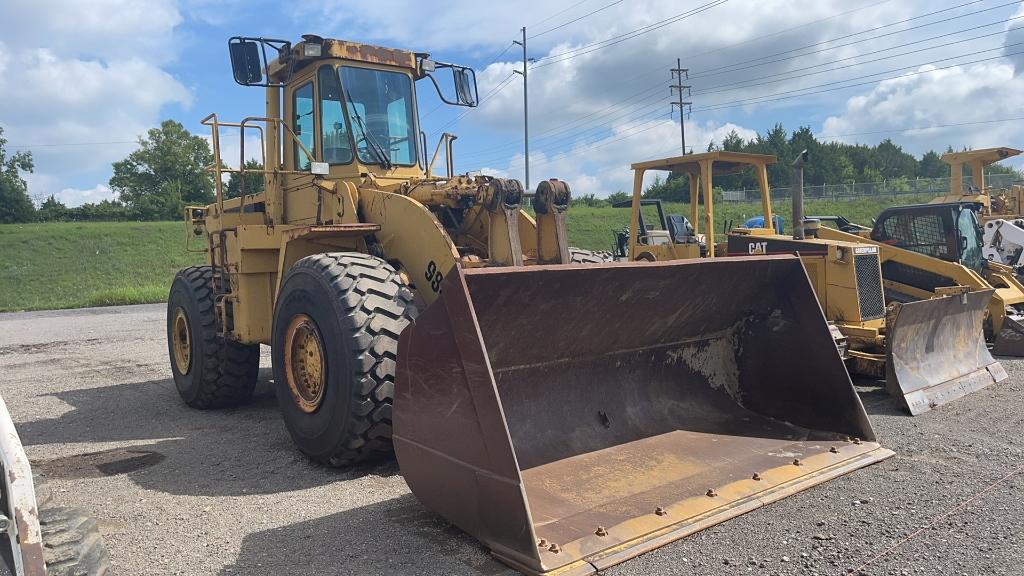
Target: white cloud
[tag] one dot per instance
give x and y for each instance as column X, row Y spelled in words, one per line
column 77, row 197
column 601, row 166
column 960, row 95
column 84, row 73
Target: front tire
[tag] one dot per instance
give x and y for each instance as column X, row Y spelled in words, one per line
column 209, row 370
column 72, row 545
column 335, row 341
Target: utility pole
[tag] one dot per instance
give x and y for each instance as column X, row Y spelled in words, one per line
column 679, row 74
column 526, row 109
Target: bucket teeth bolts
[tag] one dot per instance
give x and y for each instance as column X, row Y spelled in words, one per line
column 834, row 450
column 711, row 493
column 660, row 511
column 542, row 544
column 601, row 531
column 756, row 476
column 797, row 462
column 554, row 549
column 856, row 440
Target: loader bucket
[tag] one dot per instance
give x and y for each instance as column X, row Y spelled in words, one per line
column 572, row 417
column 936, row 350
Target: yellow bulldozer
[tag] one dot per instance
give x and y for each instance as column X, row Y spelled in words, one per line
column 568, row 415
column 930, row 351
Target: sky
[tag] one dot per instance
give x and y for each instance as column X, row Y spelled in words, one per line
column 80, row 81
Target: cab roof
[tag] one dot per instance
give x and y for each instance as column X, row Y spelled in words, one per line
column 723, row 162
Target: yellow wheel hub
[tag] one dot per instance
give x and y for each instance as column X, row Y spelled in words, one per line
column 304, row 363
column 181, row 341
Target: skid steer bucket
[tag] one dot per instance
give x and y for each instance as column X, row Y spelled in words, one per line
column 936, row 350
column 572, row 417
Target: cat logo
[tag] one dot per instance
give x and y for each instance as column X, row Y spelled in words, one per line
column 757, row 248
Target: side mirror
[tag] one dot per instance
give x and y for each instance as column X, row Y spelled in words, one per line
column 463, row 80
column 246, row 64
column 249, row 59
column 465, row 86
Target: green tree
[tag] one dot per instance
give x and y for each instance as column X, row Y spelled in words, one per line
column 253, row 181
column 931, row 166
column 52, row 210
column 619, row 196
column 167, row 172
column 15, row 205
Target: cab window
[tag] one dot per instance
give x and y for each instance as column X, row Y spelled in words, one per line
column 337, row 146
column 967, row 226
column 302, row 107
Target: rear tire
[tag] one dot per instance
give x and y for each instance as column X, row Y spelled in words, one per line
column 209, row 370
column 335, row 341
column 581, row 256
column 72, row 545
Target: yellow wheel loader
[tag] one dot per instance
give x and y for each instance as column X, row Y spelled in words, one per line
column 929, row 352
column 568, row 415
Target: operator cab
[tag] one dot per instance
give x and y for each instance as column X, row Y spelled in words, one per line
column 949, row 232
column 351, row 107
column 664, row 230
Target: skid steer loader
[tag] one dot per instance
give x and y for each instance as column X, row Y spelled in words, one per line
column 570, row 416
column 847, row 279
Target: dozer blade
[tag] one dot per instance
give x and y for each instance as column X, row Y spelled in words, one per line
column 572, row 417
column 1010, row 340
column 936, row 350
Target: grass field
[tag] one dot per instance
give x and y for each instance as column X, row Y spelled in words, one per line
column 74, row 265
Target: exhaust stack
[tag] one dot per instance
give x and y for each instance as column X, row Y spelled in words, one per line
column 798, row 194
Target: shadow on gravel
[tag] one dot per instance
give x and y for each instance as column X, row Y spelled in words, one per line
column 397, row 536
column 878, row 402
column 234, row 452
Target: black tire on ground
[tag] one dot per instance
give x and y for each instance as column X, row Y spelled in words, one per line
column 72, row 545
column 359, row 306
column 219, row 373
column 581, row 256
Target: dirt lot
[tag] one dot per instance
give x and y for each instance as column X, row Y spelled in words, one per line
column 179, row 491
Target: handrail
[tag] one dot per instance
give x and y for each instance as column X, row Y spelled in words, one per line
column 218, row 169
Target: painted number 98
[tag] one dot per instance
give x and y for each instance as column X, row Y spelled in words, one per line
column 434, row 276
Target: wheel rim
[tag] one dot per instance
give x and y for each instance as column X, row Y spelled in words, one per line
column 181, row 341
column 304, row 363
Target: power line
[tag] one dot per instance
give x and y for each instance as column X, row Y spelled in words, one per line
column 756, row 62
column 62, row 144
column 559, row 13
column 594, row 46
column 574, row 20
column 770, row 97
column 788, row 75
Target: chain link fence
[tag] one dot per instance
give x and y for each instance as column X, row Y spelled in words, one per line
column 890, row 188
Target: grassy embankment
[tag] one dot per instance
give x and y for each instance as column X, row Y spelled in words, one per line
column 74, row 265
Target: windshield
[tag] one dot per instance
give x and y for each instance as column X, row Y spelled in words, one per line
column 380, row 109
column 971, row 254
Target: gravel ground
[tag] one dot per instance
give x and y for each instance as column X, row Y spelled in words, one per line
column 179, row 491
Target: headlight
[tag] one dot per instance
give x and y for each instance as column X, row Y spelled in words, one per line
column 312, row 50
